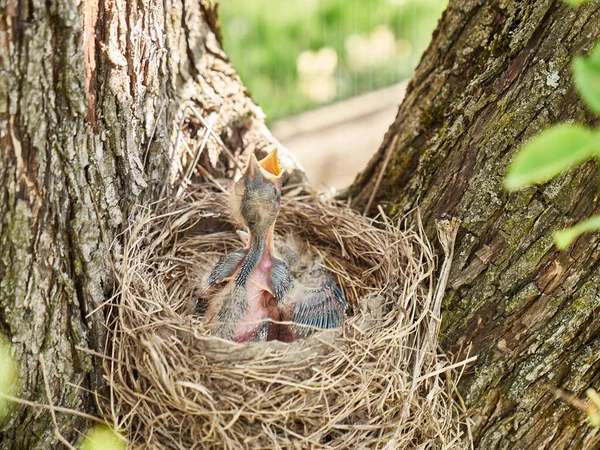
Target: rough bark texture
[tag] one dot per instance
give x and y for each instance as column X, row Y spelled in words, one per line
column 99, row 107
column 495, row 74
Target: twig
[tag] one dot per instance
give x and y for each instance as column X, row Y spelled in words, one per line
column 462, row 363
column 570, row 399
column 59, row 409
column 212, row 179
column 388, row 156
column 197, row 154
column 217, row 138
column 93, row 353
column 57, row 432
column 447, row 231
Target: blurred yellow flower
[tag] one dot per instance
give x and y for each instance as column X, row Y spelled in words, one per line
column 314, row 64
column 321, row 90
column 315, row 74
column 365, row 51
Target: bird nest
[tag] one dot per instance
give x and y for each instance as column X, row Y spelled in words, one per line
column 379, row 382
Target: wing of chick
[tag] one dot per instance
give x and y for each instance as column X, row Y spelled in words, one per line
column 312, row 309
column 225, row 268
column 307, row 294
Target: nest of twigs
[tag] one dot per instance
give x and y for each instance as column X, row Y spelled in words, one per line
column 380, row 382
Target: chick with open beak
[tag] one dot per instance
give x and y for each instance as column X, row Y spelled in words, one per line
column 256, row 199
column 246, row 307
column 259, row 291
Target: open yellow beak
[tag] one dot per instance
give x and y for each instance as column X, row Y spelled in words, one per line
column 270, row 167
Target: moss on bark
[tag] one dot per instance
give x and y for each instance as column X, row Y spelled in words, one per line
column 502, row 71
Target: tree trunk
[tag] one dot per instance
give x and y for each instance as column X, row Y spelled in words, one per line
column 99, row 102
column 495, row 74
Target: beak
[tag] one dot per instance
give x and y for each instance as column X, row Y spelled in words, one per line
column 269, row 166
column 252, row 168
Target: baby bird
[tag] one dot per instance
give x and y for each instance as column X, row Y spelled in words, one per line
column 259, row 291
column 312, row 300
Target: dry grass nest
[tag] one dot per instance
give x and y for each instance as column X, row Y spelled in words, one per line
column 380, row 382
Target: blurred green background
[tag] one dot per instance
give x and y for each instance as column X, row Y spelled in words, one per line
column 294, row 55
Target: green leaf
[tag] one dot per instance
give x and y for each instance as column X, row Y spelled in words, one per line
column 593, row 410
column 550, row 153
column 577, row 2
column 102, row 437
column 594, row 397
column 586, row 75
column 565, row 237
column 9, row 377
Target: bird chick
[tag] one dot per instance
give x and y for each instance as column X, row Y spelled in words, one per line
column 246, row 307
column 308, row 298
column 260, row 291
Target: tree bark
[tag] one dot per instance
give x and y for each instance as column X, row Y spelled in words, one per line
column 495, row 74
column 101, row 104
column 100, row 111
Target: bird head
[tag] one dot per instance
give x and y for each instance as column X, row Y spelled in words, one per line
column 257, row 194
